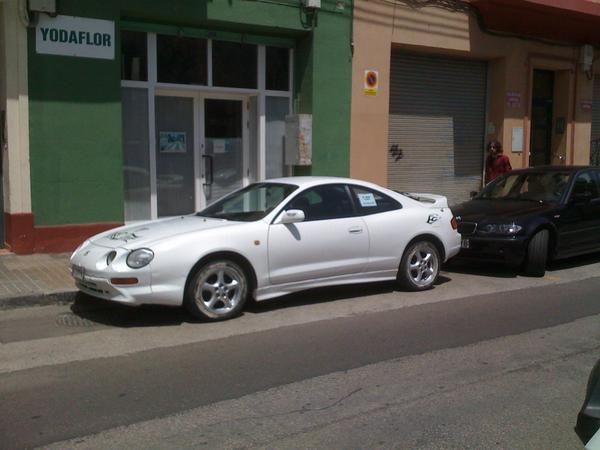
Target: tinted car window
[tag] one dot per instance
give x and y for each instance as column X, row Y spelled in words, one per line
column 323, row 202
column 369, row 201
column 536, row 186
column 586, row 185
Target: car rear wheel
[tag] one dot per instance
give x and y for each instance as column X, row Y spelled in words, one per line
column 537, row 254
column 420, row 266
column 217, row 291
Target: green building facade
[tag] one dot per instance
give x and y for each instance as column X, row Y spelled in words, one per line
column 146, row 109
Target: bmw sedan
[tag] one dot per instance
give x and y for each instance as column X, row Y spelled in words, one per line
column 530, row 216
column 269, row 239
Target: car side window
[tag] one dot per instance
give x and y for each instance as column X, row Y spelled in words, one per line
column 585, row 185
column 596, row 174
column 323, row 202
column 369, row 201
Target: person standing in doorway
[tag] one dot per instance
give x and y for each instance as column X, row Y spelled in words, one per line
column 496, row 162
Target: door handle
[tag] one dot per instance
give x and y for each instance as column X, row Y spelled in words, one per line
column 208, row 170
column 355, row 230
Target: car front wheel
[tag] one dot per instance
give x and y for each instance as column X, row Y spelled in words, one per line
column 420, row 266
column 217, row 291
column 537, row 254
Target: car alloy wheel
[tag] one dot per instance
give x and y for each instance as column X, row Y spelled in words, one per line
column 218, row 291
column 420, row 266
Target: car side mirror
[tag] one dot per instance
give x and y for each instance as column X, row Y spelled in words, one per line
column 291, row 216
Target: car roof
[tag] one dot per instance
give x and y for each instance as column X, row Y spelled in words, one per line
column 305, row 181
column 537, row 169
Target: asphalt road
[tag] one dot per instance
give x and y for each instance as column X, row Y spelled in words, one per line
column 478, row 358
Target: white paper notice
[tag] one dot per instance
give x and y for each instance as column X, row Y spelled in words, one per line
column 517, row 139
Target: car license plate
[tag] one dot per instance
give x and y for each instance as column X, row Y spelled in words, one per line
column 465, row 243
column 78, row 272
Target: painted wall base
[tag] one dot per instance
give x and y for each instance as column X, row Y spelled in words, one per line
column 23, row 238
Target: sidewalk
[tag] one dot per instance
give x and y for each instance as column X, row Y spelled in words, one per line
column 34, row 279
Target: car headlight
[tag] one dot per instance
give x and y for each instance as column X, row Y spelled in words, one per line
column 507, row 229
column 140, row 258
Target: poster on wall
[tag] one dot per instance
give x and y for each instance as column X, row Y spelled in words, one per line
column 172, row 142
column 517, row 139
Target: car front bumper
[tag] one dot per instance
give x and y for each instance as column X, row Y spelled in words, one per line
column 102, row 287
column 117, row 282
column 508, row 250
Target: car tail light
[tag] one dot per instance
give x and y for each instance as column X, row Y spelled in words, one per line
column 454, row 223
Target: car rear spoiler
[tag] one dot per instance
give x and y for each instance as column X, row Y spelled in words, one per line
column 431, row 200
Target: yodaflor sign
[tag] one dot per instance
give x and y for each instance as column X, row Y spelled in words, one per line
column 75, row 36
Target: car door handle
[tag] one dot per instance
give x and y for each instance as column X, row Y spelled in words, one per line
column 355, row 230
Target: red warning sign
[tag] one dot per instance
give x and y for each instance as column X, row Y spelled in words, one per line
column 371, row 82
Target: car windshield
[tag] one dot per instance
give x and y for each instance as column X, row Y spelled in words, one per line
column 251, row 203
column 531, row 186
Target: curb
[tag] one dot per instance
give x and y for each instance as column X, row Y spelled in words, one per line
column 41, row 299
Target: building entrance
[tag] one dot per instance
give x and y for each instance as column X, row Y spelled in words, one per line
column 202, row 150
column 542, row 108
column 201, row 118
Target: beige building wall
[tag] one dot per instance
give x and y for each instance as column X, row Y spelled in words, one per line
column 380, row 25
column 14, row 101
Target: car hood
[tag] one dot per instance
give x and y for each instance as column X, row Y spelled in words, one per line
column 479, row 209
column 140, row 235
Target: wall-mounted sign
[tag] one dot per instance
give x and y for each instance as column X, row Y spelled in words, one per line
column 371, row 82
column 172, row 141
column 586, row 105
column 75, row 36
column 513, row 99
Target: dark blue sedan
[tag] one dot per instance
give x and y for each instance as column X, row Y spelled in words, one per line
column 527, row 217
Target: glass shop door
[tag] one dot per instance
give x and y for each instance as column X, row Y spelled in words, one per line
column 224, row 159
column 201, row 150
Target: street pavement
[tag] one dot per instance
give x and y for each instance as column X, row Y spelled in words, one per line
column 502, row 370
column 330, row 368
column 43, row 279
column 26, row 280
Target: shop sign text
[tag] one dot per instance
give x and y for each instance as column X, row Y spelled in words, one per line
column 75, row 36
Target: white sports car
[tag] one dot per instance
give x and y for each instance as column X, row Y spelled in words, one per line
column 269, row 239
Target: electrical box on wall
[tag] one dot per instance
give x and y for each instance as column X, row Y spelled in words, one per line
column 298, row 140
column 587, row 57
column 314, row 4
column 44, row 6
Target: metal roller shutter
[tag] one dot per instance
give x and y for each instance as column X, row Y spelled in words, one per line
column 595, row 144
column 437, row 125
